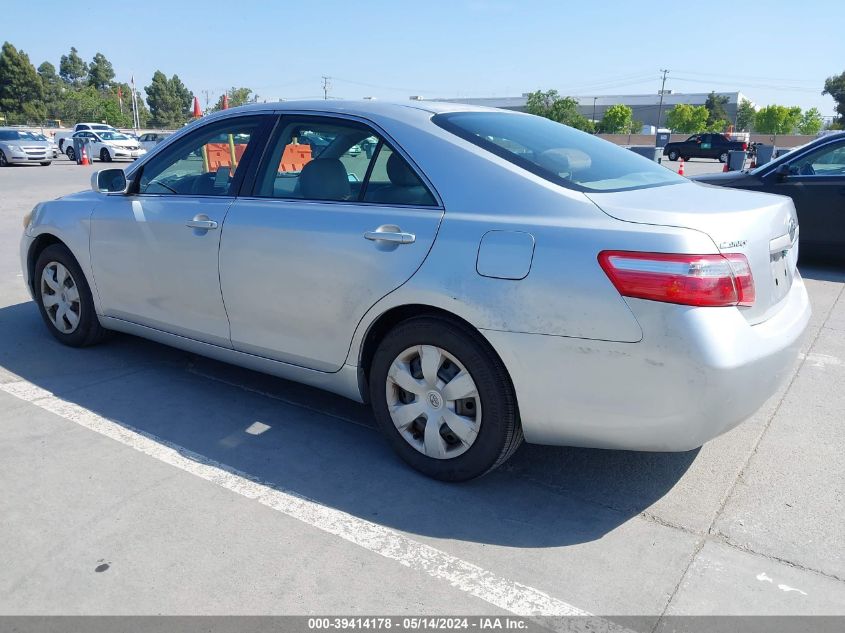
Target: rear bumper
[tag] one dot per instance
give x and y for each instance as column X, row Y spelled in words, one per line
column 697, row 373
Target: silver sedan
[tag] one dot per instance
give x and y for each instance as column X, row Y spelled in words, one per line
column 19, row 146
column 480, row 276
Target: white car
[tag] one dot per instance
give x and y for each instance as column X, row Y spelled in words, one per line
column 106, row 146
column 151, row 139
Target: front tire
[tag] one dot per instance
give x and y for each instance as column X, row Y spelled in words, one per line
column 46, row 164
column 64, row 298
column 673, row 155
column 4, row 162
column 443, row 399
column 105, row 156
column 723, row 157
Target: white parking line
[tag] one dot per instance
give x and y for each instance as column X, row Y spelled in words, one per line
column 511, row 596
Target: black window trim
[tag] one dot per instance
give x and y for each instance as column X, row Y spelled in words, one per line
column 248, row 190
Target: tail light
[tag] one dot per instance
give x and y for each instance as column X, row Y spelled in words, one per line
column 744, row 146
column 694, row 280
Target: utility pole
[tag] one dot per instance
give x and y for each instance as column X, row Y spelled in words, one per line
column 207, row 94
column 662, row 87
column 594, row 112
column 327, row 84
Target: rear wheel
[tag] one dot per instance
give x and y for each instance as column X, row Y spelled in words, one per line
column 105, row 156
column 686, row 158
column 443, row 399
column 723, row 157
column 64, row 298
column 673, row 154
column 70, row 153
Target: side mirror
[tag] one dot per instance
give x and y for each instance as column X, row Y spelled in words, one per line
column 109, row 181
column 782, row 172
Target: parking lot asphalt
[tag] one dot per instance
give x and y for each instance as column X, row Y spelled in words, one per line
column 138, row 479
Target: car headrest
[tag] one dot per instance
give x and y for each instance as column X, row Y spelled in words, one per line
column 400, row 173
column 555, row 160
column 325, row 179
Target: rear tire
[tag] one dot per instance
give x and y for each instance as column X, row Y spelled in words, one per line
column 673, row 155
column 64, row 298
column 105, row 156
column 478, row 417
column 723, row 157
column 47, row 164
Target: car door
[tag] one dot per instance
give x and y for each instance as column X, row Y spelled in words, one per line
column 328, row 230
column 154, row 252
column 816, row 182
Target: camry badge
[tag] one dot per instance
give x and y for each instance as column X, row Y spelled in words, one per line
column 792, row 228
column 734, row 244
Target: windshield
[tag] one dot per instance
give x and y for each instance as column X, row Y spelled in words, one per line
column 113, row 136
column 557, row 152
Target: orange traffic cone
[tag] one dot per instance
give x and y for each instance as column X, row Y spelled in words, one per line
column 84, row 160
column 681, row 168
column 725, row 168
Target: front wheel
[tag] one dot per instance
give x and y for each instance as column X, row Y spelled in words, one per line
column 4, row 162
column 723, row 157
column 673, row 155
column 64, row 298
column 105, row 156
column 46, row 164
column 443, row 399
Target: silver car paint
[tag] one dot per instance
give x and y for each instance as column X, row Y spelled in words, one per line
column 573, row 346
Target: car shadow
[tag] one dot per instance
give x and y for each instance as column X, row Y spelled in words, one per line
column 820, row 270
column 325, row 448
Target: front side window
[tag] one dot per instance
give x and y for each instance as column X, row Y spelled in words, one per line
column 827, row 161
column 556, row 152
column 337, row 160
column 203, row 163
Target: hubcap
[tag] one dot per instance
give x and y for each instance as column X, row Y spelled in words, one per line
column 60, row 297
column 433, row 401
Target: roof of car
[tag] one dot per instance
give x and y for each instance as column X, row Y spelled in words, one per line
column 365, row 107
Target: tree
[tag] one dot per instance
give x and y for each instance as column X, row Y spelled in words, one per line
column 716, row 113
column 777, row 119
column 617, row 119
column 237, row 97
column 21, row 91
column 100, row 72
column 72, row 69
column 835, row 87
column 745, row 116
column 53, row 89
column 169, row 100
column 687, row 119
column 552, row 106
column 811, row 122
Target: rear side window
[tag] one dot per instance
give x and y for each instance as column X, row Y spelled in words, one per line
column 321, row 158
column 556, row 152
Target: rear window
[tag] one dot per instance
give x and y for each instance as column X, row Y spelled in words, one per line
column 556, row 152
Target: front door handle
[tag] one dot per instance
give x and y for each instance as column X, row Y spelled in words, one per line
column 201, row 224
column 393, row 237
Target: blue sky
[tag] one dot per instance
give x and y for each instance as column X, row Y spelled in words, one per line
column 450, row 48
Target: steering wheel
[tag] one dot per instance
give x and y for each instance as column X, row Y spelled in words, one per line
column 806, row 170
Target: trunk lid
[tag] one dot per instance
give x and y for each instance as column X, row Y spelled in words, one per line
column 763, row 227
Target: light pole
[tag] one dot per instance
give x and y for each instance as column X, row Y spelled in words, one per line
column 594, row 113
column 660, row 107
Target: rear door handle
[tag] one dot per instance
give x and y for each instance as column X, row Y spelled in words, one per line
column 394, row 237
column 203, row 225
